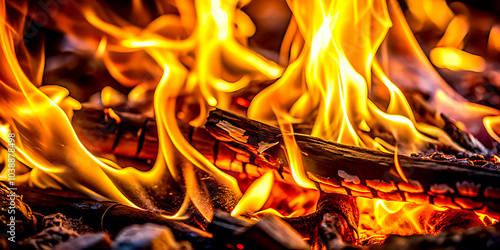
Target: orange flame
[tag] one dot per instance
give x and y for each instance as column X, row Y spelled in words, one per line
column 332, row 54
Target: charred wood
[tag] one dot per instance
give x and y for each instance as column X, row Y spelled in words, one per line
column 136, row 136
column 110, row 217
column 442, row 221
column 343, row 207
column 269, row 232
column 329, row 234
column 450, row 184
column 343, row 169
column 472, row 238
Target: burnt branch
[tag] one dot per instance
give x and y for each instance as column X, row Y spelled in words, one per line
column 343, row 169
column 107, row 216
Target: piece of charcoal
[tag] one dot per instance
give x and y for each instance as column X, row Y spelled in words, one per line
column 98, row 241
column 61, row 220
column 223, row 224
column 272, row 232
column 451, row 219
column 329, row 234
column 148, row 236
column 490, row 165
column 480, row 237
column 52, row 220
column 47, row 238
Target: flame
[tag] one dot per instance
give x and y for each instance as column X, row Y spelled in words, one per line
column 333, row 75
column 455, row 32
column 30, row 108
column 455, row 59
column 494, row 39
column 332, row 56
column 492, row 125
column 425, row 12
column 255, row 197
column 381, row 218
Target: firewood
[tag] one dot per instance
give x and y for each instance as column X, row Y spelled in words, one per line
column 426, row 113
column 272, row 232
column 337, row 168
column 269, row 232
column 110, row 217
column 133, row 135
column 148, row 236
column 329, row 234
column 100, row 133
column 341, row 206
column 61, row 220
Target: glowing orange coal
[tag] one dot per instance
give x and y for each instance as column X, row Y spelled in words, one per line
column 331, row 56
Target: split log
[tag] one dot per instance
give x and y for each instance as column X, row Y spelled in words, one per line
column 107, row 216
column 343, row 169
column 136, row 136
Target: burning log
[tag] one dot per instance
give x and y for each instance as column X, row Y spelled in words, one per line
column 148, row 236
column 136, row 136
column 363, row 172
column 268, row 233
column 132, row 135
column 329, row 234
column 107, row 216
column 343, row 169
column 342, row 207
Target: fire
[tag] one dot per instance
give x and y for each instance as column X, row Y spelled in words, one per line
column 332, row 56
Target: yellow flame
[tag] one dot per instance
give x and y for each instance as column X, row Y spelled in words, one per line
column 333, row 74
column 455, row 59
column 455, row 32
column 398, row 167
column 423, row 12
column 492, row 125
column 293, row 153
column 494, row 38
column 255, row 197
